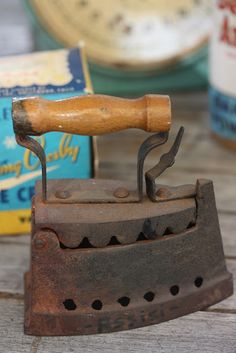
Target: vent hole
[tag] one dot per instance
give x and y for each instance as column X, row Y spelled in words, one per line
column 149, row 296
column 174, row 290
column 85, row 243
column 191, row 224
column 69, row 304
column 168, row 231
column 62, row 246
column 198, row 282
column 97, row 304
column 124, row 301
column 141, row 237
column 114, row 241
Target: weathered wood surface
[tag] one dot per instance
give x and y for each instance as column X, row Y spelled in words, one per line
column 15, row 34
column 200, row 332
column 212, row 331
column 14, row 261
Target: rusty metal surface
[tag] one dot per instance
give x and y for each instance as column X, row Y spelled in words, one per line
column 35, row 147
column 81, row 191
column 76, row 287
column 166, row 161
column 146, row 147
column 105, row 257
column 100, row 223
column 100, row 191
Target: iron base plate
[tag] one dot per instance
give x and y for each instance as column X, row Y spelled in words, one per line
column 74, row 323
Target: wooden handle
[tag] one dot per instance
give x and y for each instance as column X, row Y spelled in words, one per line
column 91, row 115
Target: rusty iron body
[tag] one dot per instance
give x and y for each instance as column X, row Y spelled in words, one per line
column 105, row 268
column 106, row 256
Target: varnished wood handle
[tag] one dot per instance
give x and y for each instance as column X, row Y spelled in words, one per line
column 91, row 115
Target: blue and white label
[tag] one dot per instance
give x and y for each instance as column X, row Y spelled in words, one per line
column 223, row 70
column 56, row 74
column 223, row 114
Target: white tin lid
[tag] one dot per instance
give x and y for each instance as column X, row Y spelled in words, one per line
column 133, row 34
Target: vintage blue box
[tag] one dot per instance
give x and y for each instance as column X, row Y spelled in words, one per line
column 53, row 74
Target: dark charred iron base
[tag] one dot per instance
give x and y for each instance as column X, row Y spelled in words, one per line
column 110, row 267
column 141, row 314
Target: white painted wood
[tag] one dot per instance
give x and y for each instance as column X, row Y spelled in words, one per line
column 19, row 239
column 14, row 261
column 228, row 304
column 228, row 231
column 12, row 339
column 198, row 333
column 15, row 32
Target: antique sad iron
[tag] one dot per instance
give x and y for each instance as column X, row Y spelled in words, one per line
column 105, row 256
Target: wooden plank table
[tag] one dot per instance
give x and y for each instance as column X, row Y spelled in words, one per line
column 213, row 330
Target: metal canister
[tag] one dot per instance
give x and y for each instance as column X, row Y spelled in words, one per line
column 134, row 47
column 223, row 72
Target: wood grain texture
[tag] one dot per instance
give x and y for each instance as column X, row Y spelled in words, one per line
column 91, row 115
column 14, row 261
column 227, row 225
column 198, row 333
column 229, row 304
column 15, row 34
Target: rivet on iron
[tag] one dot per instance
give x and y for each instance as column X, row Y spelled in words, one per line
column 40, row 243
column 163, row 193
column 62, row 194
column 121, row 193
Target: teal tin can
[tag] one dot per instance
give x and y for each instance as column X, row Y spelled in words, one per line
column 133, row 47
